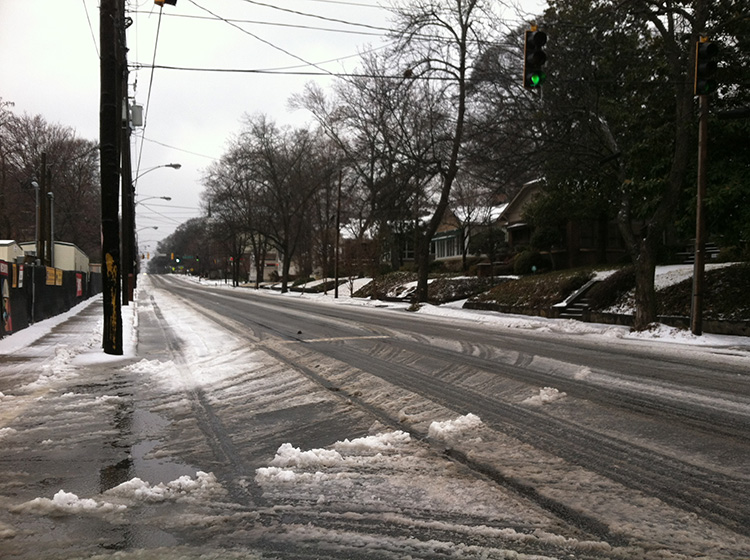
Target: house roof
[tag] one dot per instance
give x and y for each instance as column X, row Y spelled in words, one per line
column 513, row 212
column 481, row 214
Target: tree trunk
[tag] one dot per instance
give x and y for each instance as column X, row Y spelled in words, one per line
column 645, row 292
column 423, row 266
column 286, row 263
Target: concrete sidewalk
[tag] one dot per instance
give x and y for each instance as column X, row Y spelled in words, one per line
column 29, row 356
column 72, row 426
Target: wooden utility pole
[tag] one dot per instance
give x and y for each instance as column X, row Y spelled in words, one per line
column 128, row 196
column 699, row 267
column 110, row 118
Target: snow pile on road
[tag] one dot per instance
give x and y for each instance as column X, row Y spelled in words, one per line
column 393, row 481
column 450, row 429
column 184, row 489
column 289, row 456
column 546, row 395
column 343, row 451
column 387, row 442
column 204, row 488
column 290, row 461
column 67, row 503
column 6, row 432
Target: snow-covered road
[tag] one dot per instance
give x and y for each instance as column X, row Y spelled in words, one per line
column 199, row 443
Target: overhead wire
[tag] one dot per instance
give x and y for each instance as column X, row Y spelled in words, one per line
column 316, row 16
column 278, row 24
column 343, row 3
column 144, row 139
column 91, row 28
column 148, row 97
column 430, row 77
column 289, row 70
column 264, row 41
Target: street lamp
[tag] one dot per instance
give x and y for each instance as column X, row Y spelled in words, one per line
column 153, row 197
column 35, row 186
column 129, row 268
column 172, row 165
column 148, row 227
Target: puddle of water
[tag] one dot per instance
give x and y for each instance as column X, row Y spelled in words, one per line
column 144, row 428
column 114, row 475
column 156, row 470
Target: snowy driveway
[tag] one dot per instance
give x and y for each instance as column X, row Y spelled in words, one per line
column 266, row 427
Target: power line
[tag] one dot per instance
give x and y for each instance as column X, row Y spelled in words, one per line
column 143, row 138
column 148, row 96
column 278, row 24
column 91, row 28
column 269, row 43
column 315, row 16
column 357, row 4
column 138, row 66
column 169, row 206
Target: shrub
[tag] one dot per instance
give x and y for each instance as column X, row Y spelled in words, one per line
column 528, row 262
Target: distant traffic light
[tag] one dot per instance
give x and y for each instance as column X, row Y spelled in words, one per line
column 705, row 66
column 534, row 58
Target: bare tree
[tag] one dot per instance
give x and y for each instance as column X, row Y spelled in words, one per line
column 439, row 40
column 226, row 194
column 283, row 164
column 370, row 117
column 73, row 178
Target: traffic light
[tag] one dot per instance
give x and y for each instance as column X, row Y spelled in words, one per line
column 534, row 58
column 705, row 66
column 162, row 2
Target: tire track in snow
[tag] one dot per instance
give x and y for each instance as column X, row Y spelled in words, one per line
column 209, row 423
column 601, row 453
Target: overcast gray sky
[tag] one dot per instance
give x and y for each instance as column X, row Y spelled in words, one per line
column 49, row 65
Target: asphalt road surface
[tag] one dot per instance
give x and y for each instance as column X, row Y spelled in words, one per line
column 343, row 431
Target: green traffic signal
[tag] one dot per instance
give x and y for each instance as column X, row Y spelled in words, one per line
column 705, row 67
column 537, row 79
column 534, row 58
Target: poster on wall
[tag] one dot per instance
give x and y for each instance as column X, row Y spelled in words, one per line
column 79, row 285
column 5, row 290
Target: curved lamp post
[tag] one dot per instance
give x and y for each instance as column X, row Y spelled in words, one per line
column 129, row 264
column 149, row 170
column 137, row 202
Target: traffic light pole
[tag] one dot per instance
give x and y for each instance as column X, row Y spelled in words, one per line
column 696, row 315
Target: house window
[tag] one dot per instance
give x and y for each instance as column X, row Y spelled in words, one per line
column 446, row 247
